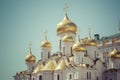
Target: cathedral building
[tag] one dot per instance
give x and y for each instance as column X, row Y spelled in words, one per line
column 76, row 59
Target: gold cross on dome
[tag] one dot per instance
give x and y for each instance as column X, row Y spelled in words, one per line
column 30, row 44
column 45, row 35
column 89, row 30
column 65, row 8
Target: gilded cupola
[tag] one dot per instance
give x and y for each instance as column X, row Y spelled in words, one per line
column 67, row 38
column 79, row 46
column 66, row 26
column 30, row 57
column 115, row 54
column 90, row 41
column 45, row 43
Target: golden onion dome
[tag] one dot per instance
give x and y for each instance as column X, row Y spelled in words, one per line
column 91, row 42
column 66, row 26
column 79, row 46
column 30, row 57
column 67, row 38
column 115, row 54
column 45, row 44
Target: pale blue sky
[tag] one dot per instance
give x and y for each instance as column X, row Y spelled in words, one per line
column 22, row 21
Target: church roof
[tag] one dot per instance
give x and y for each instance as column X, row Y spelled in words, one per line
column 61, row 65
column 38, row 68
column 50, row 66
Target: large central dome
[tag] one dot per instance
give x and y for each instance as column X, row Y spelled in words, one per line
column 66, row 26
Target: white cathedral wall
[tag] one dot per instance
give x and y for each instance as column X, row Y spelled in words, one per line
column 44, row 53
column 88, row 60
column 78, row 73
column 92, row 51
column 82, row 73
column 110, row 64
column 78, row 56
column 37, row 75
column 56, row 73
column 100, row 69
column 118, row 74
column 116, row 63
column 67, row 72
column 46, row 75
column 30, row 66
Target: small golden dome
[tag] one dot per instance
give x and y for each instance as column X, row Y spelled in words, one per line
column 91, row 42
column 45, row 44
column 67, row 38
column 30, row 58
column 79, row 46
column 115, row 54
column 66, row 26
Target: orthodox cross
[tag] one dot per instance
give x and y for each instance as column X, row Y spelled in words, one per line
column 65, row 8
column 89, row 30
column 30, row 44
column 45, row 35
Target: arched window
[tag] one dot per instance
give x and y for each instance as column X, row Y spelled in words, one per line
column 33, row 78
column 60, row 44
column 90, row 75
column 87, row 75
column 64, row 49
column 58, row 77
column 41, row 54
column 70, row 76
column 97, row 78
column 71, row 50
column 48, row 54
column 40, row 77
